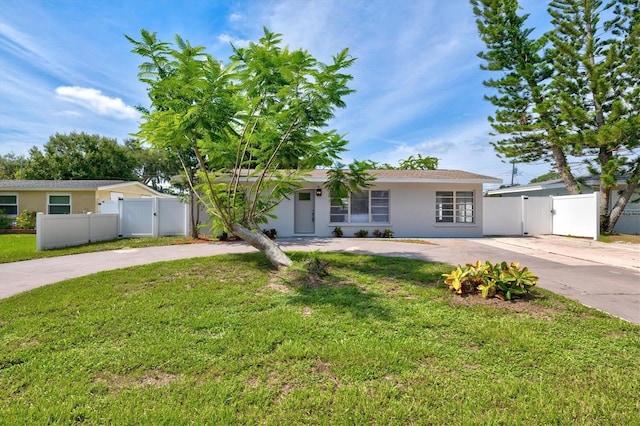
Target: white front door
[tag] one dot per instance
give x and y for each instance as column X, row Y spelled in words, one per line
column 304, row 212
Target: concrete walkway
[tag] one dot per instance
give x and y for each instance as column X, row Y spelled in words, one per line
column 604, row 276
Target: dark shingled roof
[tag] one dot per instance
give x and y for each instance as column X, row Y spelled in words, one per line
column 39, row 185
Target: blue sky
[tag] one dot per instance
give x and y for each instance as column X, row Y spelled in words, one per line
column 66, row 66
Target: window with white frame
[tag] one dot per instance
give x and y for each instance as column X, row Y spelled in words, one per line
column 58, row 204
column 455, row 207
column 361, row 207
column 9, row 204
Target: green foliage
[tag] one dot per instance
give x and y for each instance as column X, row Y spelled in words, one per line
column 19, row 247
column 254, row 126
column 387, row 233
column 343, row 180
column 11, row 166
column 271, row 233
column 26, row 220
column 551, row 175
column 419, row 163
column 153, row 166
column 457, row 280
column 5, row 221
column 337, row 232
column 219, row 342
column 503, row 280
column 316, row 267
column 571, row 92
column 80, row 156
column 362, row 233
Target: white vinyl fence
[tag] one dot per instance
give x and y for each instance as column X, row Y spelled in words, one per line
column 575, row 215
column 64, row 230
column 129, row 217
column 149, row 217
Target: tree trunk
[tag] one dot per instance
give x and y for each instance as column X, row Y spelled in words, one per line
column 619, row 206
column 194, row 209
column 268, row 247
column 563, row 170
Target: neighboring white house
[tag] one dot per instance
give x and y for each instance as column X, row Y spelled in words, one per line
column 411, row 203
column 629, row 222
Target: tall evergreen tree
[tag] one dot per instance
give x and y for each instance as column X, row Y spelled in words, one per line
column 571, row 92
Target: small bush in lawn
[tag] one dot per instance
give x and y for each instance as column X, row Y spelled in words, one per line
column 503, row 280
column 5, row 221
column 316, row 267
column 26, row 220
column 337, row 232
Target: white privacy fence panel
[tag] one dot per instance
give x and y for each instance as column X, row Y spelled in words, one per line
column 502, row 216
column 576, row 215
column 67, row 230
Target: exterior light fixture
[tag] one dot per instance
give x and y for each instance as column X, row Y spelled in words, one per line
column 318, row 192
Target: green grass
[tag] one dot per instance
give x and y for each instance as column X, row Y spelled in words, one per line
column 620, row 238
column 226, row 340
column 17, row 247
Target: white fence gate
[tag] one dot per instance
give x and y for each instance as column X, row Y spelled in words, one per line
column 576, row 215
column 149, row 217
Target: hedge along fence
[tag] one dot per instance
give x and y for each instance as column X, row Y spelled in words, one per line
column 66, row 230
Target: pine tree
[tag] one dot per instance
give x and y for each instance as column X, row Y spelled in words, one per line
column 573, row 92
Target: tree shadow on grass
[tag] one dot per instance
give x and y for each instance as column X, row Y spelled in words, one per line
column 410, row 271
column 347, row 298
column 342, row 288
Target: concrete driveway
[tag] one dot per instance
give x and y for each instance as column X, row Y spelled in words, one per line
column 603, row 276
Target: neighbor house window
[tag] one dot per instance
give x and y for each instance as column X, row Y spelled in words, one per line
column 455, row 207
column 9, row 204
column 59, row 204
column 362, row 207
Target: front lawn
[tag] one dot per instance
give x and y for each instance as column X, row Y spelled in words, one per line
column 17, row 247
column 226, row 340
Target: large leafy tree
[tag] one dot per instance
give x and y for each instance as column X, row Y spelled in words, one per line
column 254, row 125
column 154, row 167
column 11, row 166
column 413, row 162
column 572, row 92
column 80, row 156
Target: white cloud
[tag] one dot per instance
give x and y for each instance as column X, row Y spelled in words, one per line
column 235, row 17
column 68, row 113
column 237, row 42
column 95, row 101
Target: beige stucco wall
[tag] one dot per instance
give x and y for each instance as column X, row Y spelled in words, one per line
column 130, row 190
column 81, row 201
